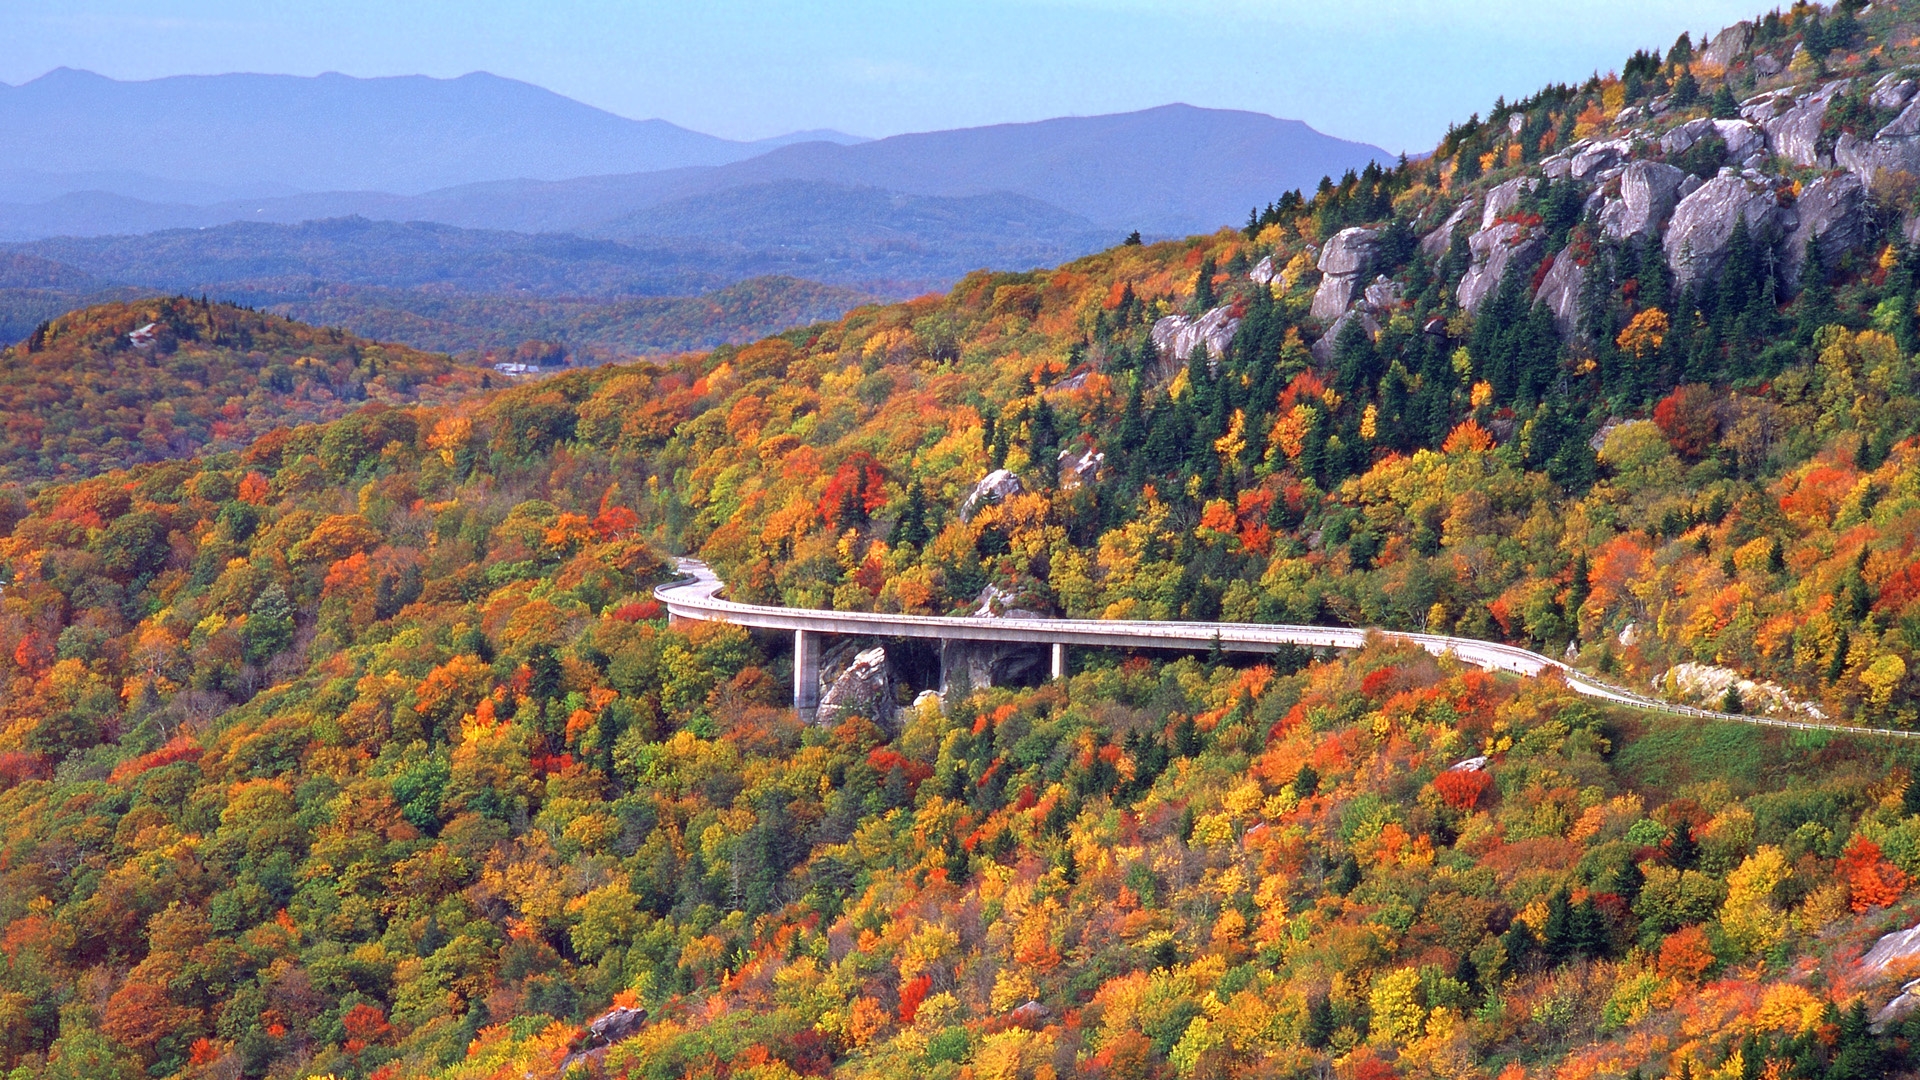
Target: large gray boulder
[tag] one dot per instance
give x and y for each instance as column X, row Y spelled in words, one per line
column 1176, row 336
column 1680, row 139
column 993, row 488
column 1263, row 272
column 1649, row 191
column 1728, row 45
column 1703, row 225
column 1795, row 133
column 1560, row 290
column 1346, row 265
column 1744, row 138
column 1504, row 198
column 1600, row 157
column 859, row 685
column 1494, row 251
column 1436, row 243
column 1832, row 215
column 1893, row 91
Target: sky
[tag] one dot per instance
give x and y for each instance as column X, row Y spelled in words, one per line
column 1389, row 72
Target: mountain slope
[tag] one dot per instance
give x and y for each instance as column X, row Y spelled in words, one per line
column 88, row 392
column 1172, row 169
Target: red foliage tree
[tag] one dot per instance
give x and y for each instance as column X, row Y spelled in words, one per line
column 1871, row 880
column 912, row 993
column 856, row 490
column 1463, row 788
column 1690, row 418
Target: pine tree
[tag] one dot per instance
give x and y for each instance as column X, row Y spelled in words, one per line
column 911, row 530
column 1725, row 106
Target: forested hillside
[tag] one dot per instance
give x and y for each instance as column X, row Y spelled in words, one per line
column 363, row 750
column 118, row 384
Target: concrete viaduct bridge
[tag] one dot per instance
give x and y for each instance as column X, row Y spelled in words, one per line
column 696, row 596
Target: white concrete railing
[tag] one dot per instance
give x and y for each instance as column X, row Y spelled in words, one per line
column 695, row 596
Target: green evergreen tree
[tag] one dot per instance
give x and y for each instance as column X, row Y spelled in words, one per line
column 269, row 626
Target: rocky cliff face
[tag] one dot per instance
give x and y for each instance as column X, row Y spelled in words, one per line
column 1632, row 187
column 1346, row 265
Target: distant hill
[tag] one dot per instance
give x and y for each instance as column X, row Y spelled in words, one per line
column 259, row 133
column 593, row 330
column 121, row 383
column 880, row 242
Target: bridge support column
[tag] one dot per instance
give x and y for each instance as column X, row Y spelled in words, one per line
column 1058, row 669
column 806, row 671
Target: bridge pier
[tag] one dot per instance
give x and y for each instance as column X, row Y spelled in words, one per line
column 1058, row 669
column 806, row 671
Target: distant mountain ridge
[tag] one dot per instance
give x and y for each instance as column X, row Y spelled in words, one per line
column 94, row 156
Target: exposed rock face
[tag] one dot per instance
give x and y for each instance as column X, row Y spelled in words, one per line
column 1649, row 191
column 1384, row 294
column 992, row 488
column 1681, row 139
column 1899, row 945
column 1895, row 147
column 1503, row 199
column 1743, row 138
column 1892, row 91
column 1494, row 250
column 1710, row 683
column 1079, row 467
column 1263, row 272
column 1176, row 336
column 1831, row 213
column 1599, row 157
column 862, row 685
column 616, row 1024
column 1703, row 226
column 1560, row 290
column 1346, row 263
column 1436, row 243
column 1727, row 46
column 1795, row 133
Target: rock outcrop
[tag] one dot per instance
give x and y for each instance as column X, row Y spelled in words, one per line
column 1385, row 294
column 994, row 487
column 1346, row 264
column 612, row 1026
column 1703, row 225
column 1895, row 148
column 1599, row 157
column 1893, row 91
column 1649, row 191
column 1263, row 271
column 1794, row 134
column 1080, row 467
column 1710, row 683
column 1494, row 251
column 1560, row 290
column 1505, row 198
column 1176, row 336
column 1727, row 46
column 1832, row 214
column 859, row 685
column 1436, row 243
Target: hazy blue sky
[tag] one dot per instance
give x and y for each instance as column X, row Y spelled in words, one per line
column 1391, row 72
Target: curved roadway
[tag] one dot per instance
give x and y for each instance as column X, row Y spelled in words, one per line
column 696, row 596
